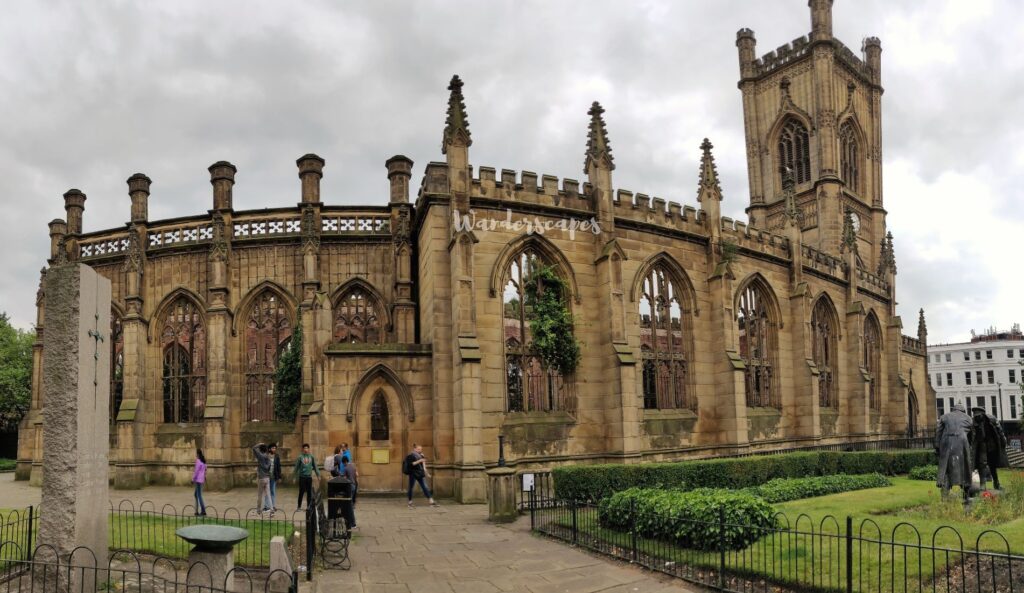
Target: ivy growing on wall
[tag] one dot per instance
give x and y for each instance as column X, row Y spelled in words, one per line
column 551, row 322
column 288, row 378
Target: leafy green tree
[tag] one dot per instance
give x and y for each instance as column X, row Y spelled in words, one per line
column 15, row 373
column 288, row 378
column 551, row 322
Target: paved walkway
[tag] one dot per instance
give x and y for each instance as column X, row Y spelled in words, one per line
column 450, row 549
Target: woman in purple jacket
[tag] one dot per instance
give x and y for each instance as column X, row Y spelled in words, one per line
column 199, row 478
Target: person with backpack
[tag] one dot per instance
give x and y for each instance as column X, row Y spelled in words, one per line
column 415, row 466
column 199, row 478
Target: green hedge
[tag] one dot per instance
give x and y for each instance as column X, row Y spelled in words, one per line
column 689, row 518
column 785, row 489
column 594, row 482
column 7, row 464
column 925, row 472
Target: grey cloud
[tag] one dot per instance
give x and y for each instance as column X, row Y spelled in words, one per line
column 96, row 92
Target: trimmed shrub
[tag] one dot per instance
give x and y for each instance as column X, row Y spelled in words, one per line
column 925, row 472
column 690, row 519
column 785, row 489
column 594, row 482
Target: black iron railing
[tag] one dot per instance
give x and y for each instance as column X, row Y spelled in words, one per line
column 827, row 554
column 44, row 570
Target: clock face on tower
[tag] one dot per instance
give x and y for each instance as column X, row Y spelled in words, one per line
column 856, row 222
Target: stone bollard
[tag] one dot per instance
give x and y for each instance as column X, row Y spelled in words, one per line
column 280, row 565
column 501, row 495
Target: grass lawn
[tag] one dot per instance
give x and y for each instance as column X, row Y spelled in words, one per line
column 154, row 534
column 7, row 465
column 812, row 552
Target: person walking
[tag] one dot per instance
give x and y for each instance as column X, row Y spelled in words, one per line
column 275, row 475
column 305, row 468
column 199, row 478
column 264, row 466
column 415, row 466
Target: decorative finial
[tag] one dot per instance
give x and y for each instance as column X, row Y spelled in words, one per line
column 598, row 149
column 849, row 241
column 708, row 172
column 456, row 125
column 792, row 213
column 922, row 328
column 890, row 252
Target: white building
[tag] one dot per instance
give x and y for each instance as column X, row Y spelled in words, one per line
column 985, row 372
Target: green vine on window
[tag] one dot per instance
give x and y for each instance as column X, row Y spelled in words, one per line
column 729, row 251
column 288, row 378
column 551, row 323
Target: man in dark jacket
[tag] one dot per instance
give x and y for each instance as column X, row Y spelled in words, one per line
column 953, row 437
column 275, row 474
column 989, row 447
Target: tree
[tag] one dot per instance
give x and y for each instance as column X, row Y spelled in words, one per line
column 551, row 323
column 15, row 373
column 288, row 378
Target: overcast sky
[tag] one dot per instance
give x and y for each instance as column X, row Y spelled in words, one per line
column 95, row 91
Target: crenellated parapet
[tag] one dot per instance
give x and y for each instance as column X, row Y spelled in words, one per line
column 913, row 345
column 782, row 55
column 755, row 240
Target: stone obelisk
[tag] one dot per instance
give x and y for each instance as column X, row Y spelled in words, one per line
column 76, row 415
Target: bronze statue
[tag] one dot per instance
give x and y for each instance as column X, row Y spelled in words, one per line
column 953, row 438
column 989, row 447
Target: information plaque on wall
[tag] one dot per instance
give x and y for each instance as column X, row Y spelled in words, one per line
column 380, row 456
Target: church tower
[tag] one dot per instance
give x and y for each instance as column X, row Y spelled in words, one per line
column 812, row 109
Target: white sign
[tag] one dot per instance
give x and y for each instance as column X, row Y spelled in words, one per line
column 527, row 482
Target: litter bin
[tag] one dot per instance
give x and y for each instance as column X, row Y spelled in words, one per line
column 339, row 501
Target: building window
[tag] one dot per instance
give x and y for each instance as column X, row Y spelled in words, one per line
column 183, row 342
column 873, row 360
column 1009, row 353
column 529, row 385
column 116, row 364
column 967, row 378
column 268, row 331
column 757, row 345
column 823, row 336
column 991, row 377
column 988, row 354
column 357, row 318
column 936, row 358
column 938, row 379
column 794, row 150
column 949, row 357
column 967, row 355
column 379, row 418
column 1020, row 353
column 977, row 355
column 665, row 342
column 977, row 375
column 992, row 404
column 941, row 405
column 949, row 379
column 951, row 404
column 1013, row 406
column 1013, row 375
column 849, row 161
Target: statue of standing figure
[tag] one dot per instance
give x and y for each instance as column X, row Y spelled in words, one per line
column 989, row 447
column 953, row 438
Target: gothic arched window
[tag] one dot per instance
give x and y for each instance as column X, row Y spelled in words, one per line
column 794, row 150
column 116, row 364
column 664, row 342
column 873, row 360
column 183, row 343
column 849, row 162
column 757, row 344
column 268, row 331
column 379, row 419
column 530, row 385
column 823, row 338
column 357, row 318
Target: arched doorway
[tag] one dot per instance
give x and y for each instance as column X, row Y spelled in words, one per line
column 911, row 413
column 379, row 417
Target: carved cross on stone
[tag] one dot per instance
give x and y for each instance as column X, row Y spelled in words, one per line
column 97, row 337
